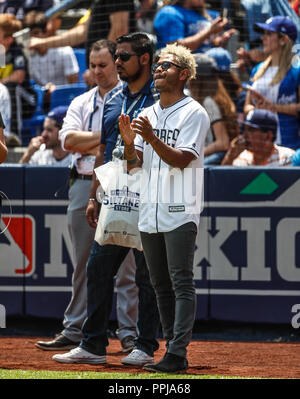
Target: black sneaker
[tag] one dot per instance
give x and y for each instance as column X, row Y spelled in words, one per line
column 59, row 343
column 127, row 344
column 168, row 364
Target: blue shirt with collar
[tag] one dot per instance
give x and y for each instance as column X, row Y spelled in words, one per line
column 118, row 100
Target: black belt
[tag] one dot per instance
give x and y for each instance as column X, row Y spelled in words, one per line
column 84, row 177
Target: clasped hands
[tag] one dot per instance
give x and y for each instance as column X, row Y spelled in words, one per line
column 140, row 125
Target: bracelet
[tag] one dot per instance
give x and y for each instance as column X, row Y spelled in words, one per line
column 92, row 199
column 132, row 161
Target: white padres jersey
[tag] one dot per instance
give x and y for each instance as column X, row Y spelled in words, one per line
column 171, row 197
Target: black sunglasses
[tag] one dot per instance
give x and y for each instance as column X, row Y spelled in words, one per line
column 165, row 66
column 124, row 56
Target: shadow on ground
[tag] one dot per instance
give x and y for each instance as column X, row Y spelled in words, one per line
column 203, row 330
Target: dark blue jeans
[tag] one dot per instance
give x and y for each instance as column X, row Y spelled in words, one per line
column 103, row 264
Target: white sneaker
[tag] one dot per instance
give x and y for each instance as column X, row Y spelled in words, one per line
column 79, row 355
column 137, row 358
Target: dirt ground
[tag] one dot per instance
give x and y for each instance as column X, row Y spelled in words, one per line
column 229, row 358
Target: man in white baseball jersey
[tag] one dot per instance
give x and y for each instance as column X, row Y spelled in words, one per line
column 167, row 140
column 81, row 134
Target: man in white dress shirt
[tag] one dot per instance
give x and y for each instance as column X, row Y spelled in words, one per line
column 81, row 134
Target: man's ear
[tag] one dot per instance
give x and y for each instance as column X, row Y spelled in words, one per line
column 144, row 59
column 184, row 74
column 270, row 135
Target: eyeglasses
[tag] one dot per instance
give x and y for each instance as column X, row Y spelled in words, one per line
column 165, row 66
column 125, row 56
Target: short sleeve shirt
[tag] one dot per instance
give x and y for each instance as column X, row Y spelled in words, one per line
column 176, row 22
column 44, row 157
column 214, row 114
column 280, row 156
column 123, row 101
column 99, row 25
column 14, row 60
column 55, row 66
column 171, row 197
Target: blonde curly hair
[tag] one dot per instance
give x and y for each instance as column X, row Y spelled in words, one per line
column 184, row 57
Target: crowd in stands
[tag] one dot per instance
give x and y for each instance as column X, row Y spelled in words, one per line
column 244, row 50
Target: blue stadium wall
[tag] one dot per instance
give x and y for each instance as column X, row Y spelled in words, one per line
column 247, row 259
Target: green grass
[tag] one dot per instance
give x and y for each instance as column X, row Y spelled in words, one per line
column 30, row 374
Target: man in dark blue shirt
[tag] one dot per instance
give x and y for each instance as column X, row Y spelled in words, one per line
column 119, row 99
column 133, row 60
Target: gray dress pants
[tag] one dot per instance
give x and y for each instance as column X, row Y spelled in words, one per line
column 170, row 258
column 82, row 237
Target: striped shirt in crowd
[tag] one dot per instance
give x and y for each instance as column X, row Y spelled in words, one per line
column 280, row 156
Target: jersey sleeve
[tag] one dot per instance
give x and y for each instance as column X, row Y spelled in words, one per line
column 192, row 135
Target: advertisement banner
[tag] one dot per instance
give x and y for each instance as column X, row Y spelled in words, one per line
column 247, row 256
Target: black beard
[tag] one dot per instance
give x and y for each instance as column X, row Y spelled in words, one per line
column 132, row 78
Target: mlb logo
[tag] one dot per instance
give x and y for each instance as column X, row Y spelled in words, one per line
column 17, row 246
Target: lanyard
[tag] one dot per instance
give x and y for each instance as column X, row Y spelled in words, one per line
column 118, row 151
column 95, row 108
column 133, row 104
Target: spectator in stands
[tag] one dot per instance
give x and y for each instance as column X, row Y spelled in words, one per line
column 259, row 11
column 210, row 92
column 190, row 24
column 108, row 19
column 5, row 110
column 145, row 12
column 276, row 81
column 46, row 149
column 3, row 148
column 229, row 79
column 14, row 75
column 21, row 7
column 251, row 54
column 53, row 67
column 256, row 146
column 296, row 158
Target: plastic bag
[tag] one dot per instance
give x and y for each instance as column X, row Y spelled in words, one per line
column 119, row 215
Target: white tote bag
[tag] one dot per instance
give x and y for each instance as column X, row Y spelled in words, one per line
column 119, row 214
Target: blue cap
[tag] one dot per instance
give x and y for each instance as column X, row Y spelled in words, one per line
column 261, row 119
column 279, row 24
column 58, row 114
column 222, row 57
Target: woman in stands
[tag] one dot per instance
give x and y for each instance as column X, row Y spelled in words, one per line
column 276, row 81
column 210, row 92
